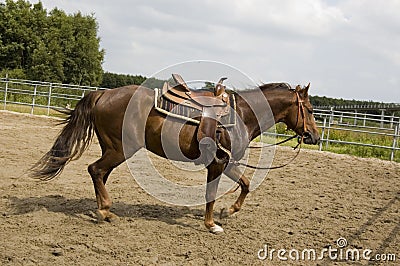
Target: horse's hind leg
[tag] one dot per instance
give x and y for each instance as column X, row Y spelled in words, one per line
column 99, row 171
column 233, row 172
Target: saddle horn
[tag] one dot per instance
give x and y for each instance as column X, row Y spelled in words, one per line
column 221, row 80
column 220, row 88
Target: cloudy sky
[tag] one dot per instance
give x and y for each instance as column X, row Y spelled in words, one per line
column 346, row 48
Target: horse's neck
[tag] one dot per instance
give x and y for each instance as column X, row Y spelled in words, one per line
column 275, row 111
column 280, row 100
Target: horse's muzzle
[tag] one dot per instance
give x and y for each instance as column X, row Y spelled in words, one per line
column 309, row 138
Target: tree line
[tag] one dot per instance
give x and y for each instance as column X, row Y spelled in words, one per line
column 326, row 101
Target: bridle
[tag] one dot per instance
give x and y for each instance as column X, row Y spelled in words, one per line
column 300, row 112
column 300, row 139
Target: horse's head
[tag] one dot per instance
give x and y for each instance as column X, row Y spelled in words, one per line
column 300, row 116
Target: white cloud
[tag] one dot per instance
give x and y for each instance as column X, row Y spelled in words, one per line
column 307, row 17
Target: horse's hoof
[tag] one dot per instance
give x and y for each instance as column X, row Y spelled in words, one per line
column 111, row 218
column 224, row 213
column 99, row 216
column 107, row 216
column 216, row 229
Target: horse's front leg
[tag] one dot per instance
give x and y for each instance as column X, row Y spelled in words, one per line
column 213, row 174
column 233, row 172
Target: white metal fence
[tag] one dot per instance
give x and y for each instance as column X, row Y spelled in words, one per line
column 42, row 95
column 370, row 125
column 46, row 95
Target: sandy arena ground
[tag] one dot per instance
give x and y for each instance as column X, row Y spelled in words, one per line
column 307, row 205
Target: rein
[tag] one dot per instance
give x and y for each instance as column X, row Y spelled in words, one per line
column 273, row 144
column 301, row 113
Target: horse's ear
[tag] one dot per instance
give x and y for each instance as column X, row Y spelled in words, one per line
column 304, row 91
column 298, row 88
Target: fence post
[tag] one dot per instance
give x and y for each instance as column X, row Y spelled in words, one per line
column 330, row 122
column 5, row 93
column 365, row 120
column 391, row 121
column 322, row 134
column 396, row 134
column 49, row 99
column 33, row 98
column 355, row 117
column 382, row 117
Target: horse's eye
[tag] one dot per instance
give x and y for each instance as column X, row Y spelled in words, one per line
column 310, row 111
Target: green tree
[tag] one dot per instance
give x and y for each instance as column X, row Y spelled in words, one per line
column 16, row 42
column 48, row 57
column 84, row 56
column 50, row 46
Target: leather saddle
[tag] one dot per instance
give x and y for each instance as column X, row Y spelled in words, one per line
column 211, row 104
column 181, row 94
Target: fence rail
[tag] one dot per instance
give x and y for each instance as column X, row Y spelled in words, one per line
column 38, row 94
column 47, row 95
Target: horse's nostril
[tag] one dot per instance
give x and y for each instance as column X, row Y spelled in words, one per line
column 307, row 135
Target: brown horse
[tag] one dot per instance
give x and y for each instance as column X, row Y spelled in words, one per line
column 121, row 135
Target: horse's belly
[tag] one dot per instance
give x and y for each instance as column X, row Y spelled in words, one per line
column 171, row 139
